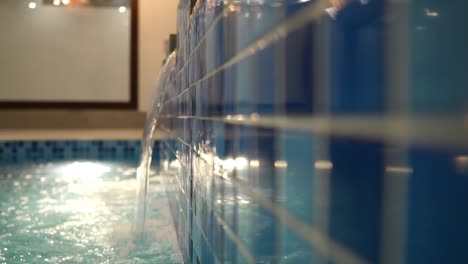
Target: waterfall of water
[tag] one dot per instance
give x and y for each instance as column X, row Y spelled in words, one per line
column 166, row 82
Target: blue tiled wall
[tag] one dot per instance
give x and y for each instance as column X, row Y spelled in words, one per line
column 306, row 134
column 40, row 151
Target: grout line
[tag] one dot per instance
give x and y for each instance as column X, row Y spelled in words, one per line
column 282, row 30
column 321, row 197
column 207, row 241
column 395, row 197
column 193, row 12
column 326, row 246
column 393, row 226
column 240, row 246
column 439, row 131
column 212, row 26
column 177, row 178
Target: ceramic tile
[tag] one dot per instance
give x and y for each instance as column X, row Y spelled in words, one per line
column 297, row 134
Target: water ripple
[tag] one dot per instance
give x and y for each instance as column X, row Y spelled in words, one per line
column 78, row 212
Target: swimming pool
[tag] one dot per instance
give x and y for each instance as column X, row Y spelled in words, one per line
column 73, row 202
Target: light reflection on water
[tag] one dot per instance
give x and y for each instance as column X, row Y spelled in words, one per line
column 79, row 212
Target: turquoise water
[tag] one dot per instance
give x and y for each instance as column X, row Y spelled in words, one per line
column 80, row 212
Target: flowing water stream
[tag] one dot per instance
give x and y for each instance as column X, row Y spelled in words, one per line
column 166, row 82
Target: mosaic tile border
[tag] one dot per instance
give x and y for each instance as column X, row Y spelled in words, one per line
column 39, row 151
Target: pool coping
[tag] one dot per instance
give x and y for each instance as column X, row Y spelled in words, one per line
column 69, row 134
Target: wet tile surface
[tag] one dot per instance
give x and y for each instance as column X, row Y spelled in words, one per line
column 309, row 133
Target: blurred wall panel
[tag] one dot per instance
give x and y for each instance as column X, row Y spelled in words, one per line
column 64, row 54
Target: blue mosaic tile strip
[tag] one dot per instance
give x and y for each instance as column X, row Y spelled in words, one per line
column 37, row 151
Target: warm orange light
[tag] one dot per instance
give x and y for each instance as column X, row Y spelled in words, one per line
column 66, row 2
column 462, row 163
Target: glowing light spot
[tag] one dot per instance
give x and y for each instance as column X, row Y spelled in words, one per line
column 395, row 169
column 83, row 171
column 281, row 164
column 239, row 117
column 229, row 164
column 431, row 13
column 32, row 5
column 241, row 163
column 56, row 2
column 254, row 163
column 122, row 9
column 254, row 116
column 323, row 165
column 175, row 164
column 65, row 2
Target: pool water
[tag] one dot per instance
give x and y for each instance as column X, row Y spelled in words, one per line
column 80, row 212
